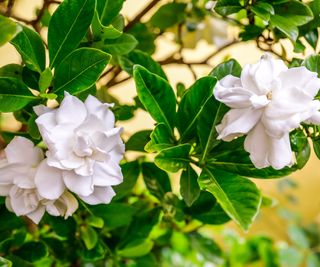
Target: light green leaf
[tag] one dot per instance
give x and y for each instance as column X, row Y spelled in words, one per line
column 108, row 10
column 192, row 104
column 189, row 187
column 45, row 80
column 298, row 237
column 156, row 95
column 80, row 70
column 89, row 236
column 120, row 46
column 9, row 29
column 95, row 221
column 30, row 46
column 136, row 248
column 67, row 27
column 14, row 95
column 101, row 32
column 160, row 139
column 238, row 196
column 174, row 158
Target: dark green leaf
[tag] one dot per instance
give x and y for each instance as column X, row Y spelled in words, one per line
column 30, row 78
column 11, row 70
column 250, row 32
column 238, row 196
column 9, row 29
column 30, row 46
column 144, row 36
column 108, row 10
column 80, row 70
column 14, row 95
column 225, row 68
column 95, row 254
column 137, row 57
column 33, row 128
column 119, row 46
column 189, row 187
column 63, row 228
column 262, row 10
column 124, row 112
column 156, row 95
column 227, row 7
column 169, row 15
column 138, row 141
column 157, row 181
column 301, row 147
column 32, row 251
column 312, row 63
column 89, row 236
column 173, row 159
column 67, row 27
column 316, row 147
column 192, row 104
column 160, row 139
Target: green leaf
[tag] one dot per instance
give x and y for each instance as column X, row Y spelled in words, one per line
column 227, row 7
column 157, row 181
column 136, row 248
column 120, row 46
column 189, row 187
column 173, row 159
column 316, row 147
column 290, row 257
column 95, row 221
column 238, row 196
column 108, row 10
column 14, row 95
column 138, row 141
column 67, row 27
column 160, row 139
column 89, row 236
column 145, row 37
column 156, row 95
column 4, row 262
column 301, row 147
column 101, row 32
column 312, row 63
column 31, row 78
column 225, row 68
column 30, row 46
column 285, row 26
column 137, row 57
column 80, row 70
column 169, row 15
column 9, row 29
column 130, row 171
column 32, row 251
column 210, row 117
column 11, row 70
column 191, row 105
column 263, row 10
column 45, row 80
column 33, row 127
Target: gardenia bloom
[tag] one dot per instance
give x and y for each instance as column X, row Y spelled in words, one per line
column 267, row 102
column 83, row 142
column 22, row 163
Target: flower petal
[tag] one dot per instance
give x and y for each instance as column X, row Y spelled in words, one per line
column 100, row 195
column 36, row 215
column 81, row 185
column 107, row 173
column 49, row 181
column 237, row 122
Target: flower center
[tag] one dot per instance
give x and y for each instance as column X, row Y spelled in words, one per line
column 269, row 95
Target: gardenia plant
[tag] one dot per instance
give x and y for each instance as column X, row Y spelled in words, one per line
column 72, row 193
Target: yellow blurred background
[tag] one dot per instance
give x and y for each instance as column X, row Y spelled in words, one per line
column 308, row 179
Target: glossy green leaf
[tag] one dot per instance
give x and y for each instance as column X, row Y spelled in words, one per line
column 30, row 78
column 119, row 46
column 136, row 248
column 80, row 70
column 209, row 118
column 138, row 141
column 316, row 147
column 32, row 251
column 189, row 187
column 191, row 105
column 89, row 236
column 130, row 171
column 67, row 27
column 312, row 63
column 95, row 221
column 101, row 32
column 301, row 147
column 225, row 68
column 14, row 95
column 263, row 10
column 157, row 181
column 160, row 139
column 9, row 29
column 11, row 70
column 137, row 57
column 169, row 15
column 238, row 196
column 227, row 7
column 285, row 26
column 173, row 159
column 45, row 79
column 156, row 95
column 108, row 10
column 31, row 48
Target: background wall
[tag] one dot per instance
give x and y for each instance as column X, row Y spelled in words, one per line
column 308, row 179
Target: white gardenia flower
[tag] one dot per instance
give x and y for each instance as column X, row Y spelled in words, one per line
column 22, row 162
column 83, row 142
column 267, row 102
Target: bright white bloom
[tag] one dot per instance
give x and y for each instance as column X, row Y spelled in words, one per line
column 83, row 142
column 267, row 102
column 21, row 164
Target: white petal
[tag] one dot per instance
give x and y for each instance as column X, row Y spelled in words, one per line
column 71, row 111
column 46, row 122
column 70, row 202
column 107, row 173
column 314, row 119
column 106, row 141
column 237, row 122
column 49, row 181
column 20, row 205
column 280, row 154
column 101, row 195
column 36, row 215
column 4, row 190
column 81, row 185
column 22, row 150
column 41, row 109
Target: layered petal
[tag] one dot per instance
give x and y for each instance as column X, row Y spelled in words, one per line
column 100, row 195
column 81, row 185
